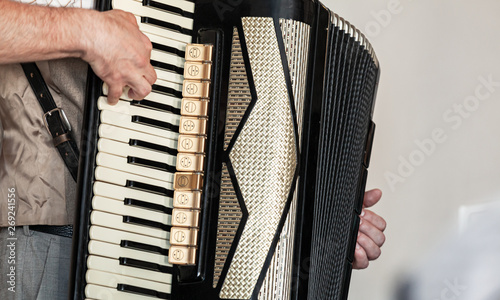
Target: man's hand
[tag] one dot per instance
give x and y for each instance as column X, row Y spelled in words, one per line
column 119, row 54
column 371, row 232
column 109, row 41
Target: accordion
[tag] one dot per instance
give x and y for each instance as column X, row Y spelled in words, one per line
column 242, row 175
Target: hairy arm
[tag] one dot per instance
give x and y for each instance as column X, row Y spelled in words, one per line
column 30, row 33
column 109, row 41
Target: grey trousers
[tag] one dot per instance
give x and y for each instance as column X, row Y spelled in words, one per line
column 33, row 265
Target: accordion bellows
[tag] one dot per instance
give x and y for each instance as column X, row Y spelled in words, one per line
column 287, row 143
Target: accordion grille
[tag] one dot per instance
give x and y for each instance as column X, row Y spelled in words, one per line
column 264, row 152
column 229, row 211
column 229, row 220
column 296, row 41
column 295, row 37
column 239, row 92
column 277, row 283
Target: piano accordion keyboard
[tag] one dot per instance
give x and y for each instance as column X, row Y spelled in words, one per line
column 134, row 216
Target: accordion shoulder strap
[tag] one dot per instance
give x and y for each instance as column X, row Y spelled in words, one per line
column 54, row 118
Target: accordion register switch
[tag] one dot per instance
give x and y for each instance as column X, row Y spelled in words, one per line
column 188, row 181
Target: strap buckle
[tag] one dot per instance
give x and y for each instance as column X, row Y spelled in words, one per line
column 62, row 115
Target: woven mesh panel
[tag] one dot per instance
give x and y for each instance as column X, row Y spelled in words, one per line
column 277, row 284
column 239, row 96
column 296, row 40
column 264, row 159
column 228, row 222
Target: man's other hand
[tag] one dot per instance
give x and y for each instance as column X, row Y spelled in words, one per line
column 371, row 232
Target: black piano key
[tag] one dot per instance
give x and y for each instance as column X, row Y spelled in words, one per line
column 148, row 205
column 150, row 164
column 143, row 247
column 142, row 291
column 135, row 263
column 169, row 49
column 147, row 223
column 155, row 123
column 156, row 105
column 151, row 146
column 167, row 91
column 174, row 27
column 167, row 67
column 173, row 9
column 149, row 188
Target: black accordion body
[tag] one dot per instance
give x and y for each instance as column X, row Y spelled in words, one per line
column 242, row 175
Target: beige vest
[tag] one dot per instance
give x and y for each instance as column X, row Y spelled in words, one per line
column 29, row 162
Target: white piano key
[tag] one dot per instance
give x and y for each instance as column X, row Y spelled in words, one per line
column 125, row 121
column 124, row 150
column 120, row 178
column 124, row 95
column 105, row 293
column 113, row 266
column 116, row 236
column 164, row 99
column 112, row 280
column 167, row 58
column 115, row 251
column 147, row 11
column 125, row 107
column 175, row 86
column 165, row 41
column 116, row 222
column 120, row 193
column 119, row 208
column 121, row 164
column 153, row 96
column 125, row 135
column 163, row 32
column 169, row 75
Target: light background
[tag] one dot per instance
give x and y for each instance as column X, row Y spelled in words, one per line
column 433, row 54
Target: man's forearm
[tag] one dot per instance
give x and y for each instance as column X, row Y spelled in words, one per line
column 110, row 42
column 31, row 33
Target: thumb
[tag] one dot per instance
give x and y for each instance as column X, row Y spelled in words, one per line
column 372, row 197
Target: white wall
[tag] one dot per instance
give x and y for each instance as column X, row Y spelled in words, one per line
column 433, row 54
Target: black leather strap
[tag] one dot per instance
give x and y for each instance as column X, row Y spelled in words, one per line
column 54, row 118
column 65, row 231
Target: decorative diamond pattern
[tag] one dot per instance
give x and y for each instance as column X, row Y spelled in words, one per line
column 264, row 159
